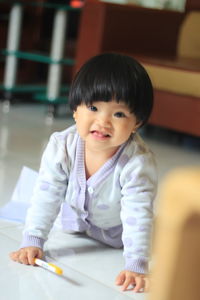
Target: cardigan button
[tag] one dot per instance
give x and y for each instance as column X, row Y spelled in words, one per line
column 90, row 190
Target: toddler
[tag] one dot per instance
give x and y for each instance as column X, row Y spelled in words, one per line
column 99, row 175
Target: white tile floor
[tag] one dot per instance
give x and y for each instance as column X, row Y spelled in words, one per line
column 89, row 267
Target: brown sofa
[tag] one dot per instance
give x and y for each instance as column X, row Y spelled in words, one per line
column 166, row 42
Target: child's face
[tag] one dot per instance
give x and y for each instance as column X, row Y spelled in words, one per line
column 105, row 125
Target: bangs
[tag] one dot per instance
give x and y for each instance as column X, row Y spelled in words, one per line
column 104, row 80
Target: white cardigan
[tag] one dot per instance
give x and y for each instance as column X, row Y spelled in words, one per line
column 115, row 205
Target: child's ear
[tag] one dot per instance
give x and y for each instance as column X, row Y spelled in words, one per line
column 138, row 124
column 74, row 115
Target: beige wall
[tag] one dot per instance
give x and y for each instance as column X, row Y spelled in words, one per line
column 171, row 4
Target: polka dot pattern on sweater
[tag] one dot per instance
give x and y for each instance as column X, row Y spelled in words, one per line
column 103, row 206
column 128, row 242
column 131, row 221
column 44, row 186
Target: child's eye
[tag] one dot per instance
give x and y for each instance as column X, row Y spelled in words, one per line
column 120, row 115
column 92, row 108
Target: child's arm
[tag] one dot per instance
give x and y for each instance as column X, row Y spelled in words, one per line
column 139, row 181
column 48, row 195
column 26, row 255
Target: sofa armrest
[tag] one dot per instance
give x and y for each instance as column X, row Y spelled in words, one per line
column 126, row 28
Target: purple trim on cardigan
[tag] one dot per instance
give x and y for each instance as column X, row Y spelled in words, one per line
column 139, row 265
column 79, row 176
column 30, row 240
column 106, row 169
column 94, row 180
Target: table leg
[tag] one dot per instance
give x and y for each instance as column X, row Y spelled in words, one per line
column 13, row 40
column 57, row 51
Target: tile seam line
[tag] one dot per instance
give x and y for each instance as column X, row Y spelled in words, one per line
column 8, row 235
column 9, row 226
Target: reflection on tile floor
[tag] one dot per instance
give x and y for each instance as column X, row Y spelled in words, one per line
column 83, row 272
column 89, row 267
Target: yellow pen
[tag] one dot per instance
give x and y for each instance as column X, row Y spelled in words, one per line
column 49, row 266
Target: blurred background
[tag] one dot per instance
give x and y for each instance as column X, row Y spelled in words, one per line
column 43, row 43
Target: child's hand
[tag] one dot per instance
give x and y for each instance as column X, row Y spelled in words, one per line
column 126, row 278
column 26, row 255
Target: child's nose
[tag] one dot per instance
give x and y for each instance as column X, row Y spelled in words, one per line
column 104, row 120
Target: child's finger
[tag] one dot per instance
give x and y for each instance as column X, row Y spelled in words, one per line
column 127, row 282
column 120, row 279
column 139, row 284
column 147, row 285
column 32, row 254
column 23, row 258
column 12, row 255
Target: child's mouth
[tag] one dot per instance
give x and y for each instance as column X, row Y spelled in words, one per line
column 99, row 134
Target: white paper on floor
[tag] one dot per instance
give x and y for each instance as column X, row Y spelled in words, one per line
column 16, row 209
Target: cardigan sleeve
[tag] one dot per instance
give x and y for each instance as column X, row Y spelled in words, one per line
column 139, row 183
column 49, row 192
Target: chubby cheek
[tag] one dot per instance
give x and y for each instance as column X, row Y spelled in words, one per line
column 124, row 137
column 126, row 132
column 82, row 130
column 132, row 128
column 127, row 129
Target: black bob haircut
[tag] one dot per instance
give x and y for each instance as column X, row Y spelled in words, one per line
column 112, row 76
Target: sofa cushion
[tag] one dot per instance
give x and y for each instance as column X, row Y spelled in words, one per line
column 189, row 36
column 181, row 76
